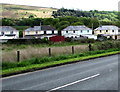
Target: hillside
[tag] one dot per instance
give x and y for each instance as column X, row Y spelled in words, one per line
column 22, row 11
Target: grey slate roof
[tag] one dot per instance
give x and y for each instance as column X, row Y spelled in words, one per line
column 38, row 28
column 76, row 28
column 107, row 27
column 7, row 28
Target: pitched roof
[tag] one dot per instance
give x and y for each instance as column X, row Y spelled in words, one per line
column 76, row 28
column 107, row 27
column 7, row 28
column 38, row 28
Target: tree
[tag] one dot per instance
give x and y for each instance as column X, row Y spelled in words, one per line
column 64, row 23
column 8, row 22
column 47, row 21
column 31, row 16
column 55, row 21
column 77, row 23
column 61, row 25
column 94, row 23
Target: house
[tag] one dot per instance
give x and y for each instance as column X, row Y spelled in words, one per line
column 8, row 32
column 77, row 32
column 110, row 31
column 43, row 31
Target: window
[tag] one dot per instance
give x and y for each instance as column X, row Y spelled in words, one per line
column 28, row 32
column 11, row 32
column 74, row 31
column 81, row 31
column 36, row 32
column 2, row 33
column 119, row 30
column 106, row 30
column 88, row 31
column 66, row 31
column 112, row 30
column 52, row 31
column 100, row 31
column 44, row 32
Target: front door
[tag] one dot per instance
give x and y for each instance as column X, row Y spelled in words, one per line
column 116, row 37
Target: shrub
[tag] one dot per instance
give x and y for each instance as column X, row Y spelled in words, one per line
column 68, row 39
column 108, row 45
column 7, row 65
column 35, row 61
column 27, row 41
column 44, row 59
column 23, row 64
column 57, row 58
column 87, row 41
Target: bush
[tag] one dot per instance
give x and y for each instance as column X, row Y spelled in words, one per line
column 57, row 58
column 35, row 61
column 68, row 39
column 107, row 45
column 7, row 65
column 87, row 41
column 27, row 41
column 45, row 59
column 23, row 64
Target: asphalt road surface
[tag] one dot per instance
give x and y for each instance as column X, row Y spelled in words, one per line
column 94, row 74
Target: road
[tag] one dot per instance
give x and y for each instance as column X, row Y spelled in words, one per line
column 94, row 74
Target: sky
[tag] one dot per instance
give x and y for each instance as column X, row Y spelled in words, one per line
column 106, row 5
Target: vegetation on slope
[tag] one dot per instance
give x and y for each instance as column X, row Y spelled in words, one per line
column 22, row 11
column 101, row 15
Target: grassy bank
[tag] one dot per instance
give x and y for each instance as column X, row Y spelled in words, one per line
column 34, row 63
column 28, row 51
column 10, row 47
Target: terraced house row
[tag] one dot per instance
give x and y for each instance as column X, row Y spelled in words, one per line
column 45, row 31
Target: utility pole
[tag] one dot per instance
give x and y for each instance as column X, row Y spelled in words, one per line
column 40, row 25
column 92, row 26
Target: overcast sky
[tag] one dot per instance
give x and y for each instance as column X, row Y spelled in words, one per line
column 70, row 4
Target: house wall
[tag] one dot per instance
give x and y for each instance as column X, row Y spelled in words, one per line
column 56, row 31
column 117, row 36
column 76, row 34
column 96, row 32
column 48, row 32
column 32, row 32
column 39, row 32
column 9, row 37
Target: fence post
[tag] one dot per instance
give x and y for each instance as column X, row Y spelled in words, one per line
column 49, row 51
column 72, row 49
column 18, row 56
column 90, row 47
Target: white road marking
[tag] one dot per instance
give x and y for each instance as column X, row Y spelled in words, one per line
column 73, row 83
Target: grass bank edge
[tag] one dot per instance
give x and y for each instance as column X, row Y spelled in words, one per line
column 35, row 66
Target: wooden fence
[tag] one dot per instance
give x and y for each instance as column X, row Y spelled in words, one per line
column 28, row 53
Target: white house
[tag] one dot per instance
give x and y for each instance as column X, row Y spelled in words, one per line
column 108, row 31
column 77, row 32
column 43, row 31
column 8, row 32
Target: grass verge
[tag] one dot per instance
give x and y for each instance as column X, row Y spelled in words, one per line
column 55, row 62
